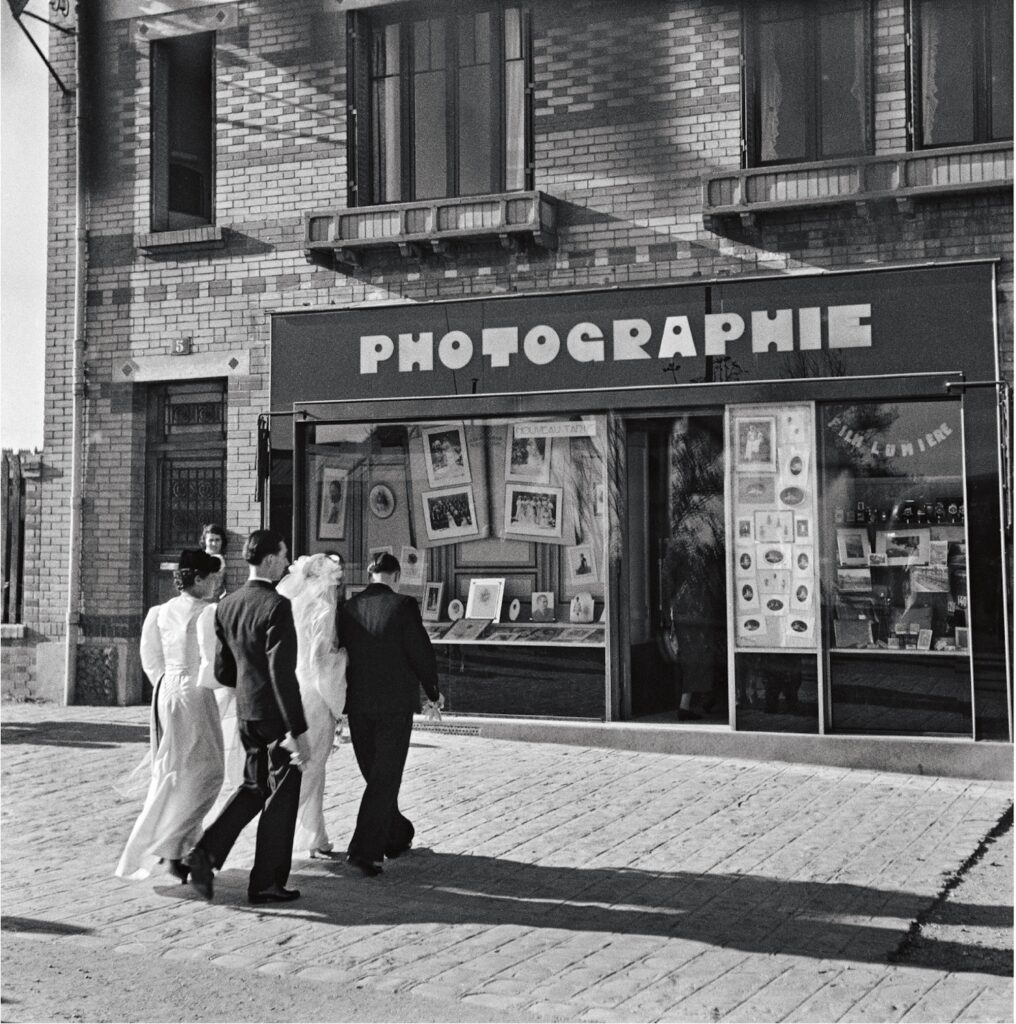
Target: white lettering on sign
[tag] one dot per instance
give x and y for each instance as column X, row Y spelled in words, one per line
column 564, row 428
column 859, row 440
column 808, row 329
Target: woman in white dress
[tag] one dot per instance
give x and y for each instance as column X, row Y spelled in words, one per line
column 312, row 586
column 186, row 737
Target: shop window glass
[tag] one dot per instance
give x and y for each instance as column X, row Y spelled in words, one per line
column 501, row 530
column 448, row 102
column 183, row 136
column 809, row 89
column 965, row 71
column 897, row 615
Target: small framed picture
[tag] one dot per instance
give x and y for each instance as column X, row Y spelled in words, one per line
column 802, row 528
column 381, row 501
column 446, row 455
column 485, row 596
column 774, row 582
column 332, row 506
column 430, row 607
column 581, row 607
column 755, row 442
column 852, row 546
column 747, row 596
column 802, row 626
column 744, row 562
column 962, row 637
column 353, row 589
column 803, row 560
column 527, row 459
column 793, row 463
column 542, row 606
column 800, row 598
column 580, row 564
column 755, row 488
column 600, row 500
column 904, row 547
column 533, row 511
column 924, row 640
column 449, row 514
column 744, row 529
column 853, row 580
column 771, row 526
column 412, row 560
column 383, row 549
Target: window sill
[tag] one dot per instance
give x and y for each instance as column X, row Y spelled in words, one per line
column 12, row 631
column 899, row 177
column 207, row 236
column 434, row 225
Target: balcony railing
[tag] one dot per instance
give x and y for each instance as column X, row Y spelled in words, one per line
column 433, row 225
column 903, row 177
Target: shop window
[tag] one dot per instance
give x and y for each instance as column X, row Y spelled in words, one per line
column 440, row 106
column 183, row 139
column 500, row 527
column 963, row 80
column 808, row 89
column 897, row 615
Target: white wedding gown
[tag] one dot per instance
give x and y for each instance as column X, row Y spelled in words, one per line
column 321, row 672
column 186, row 741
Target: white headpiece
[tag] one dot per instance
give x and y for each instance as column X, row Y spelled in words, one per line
column 310, row 575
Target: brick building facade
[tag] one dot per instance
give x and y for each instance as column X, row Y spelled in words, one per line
column 640, row 126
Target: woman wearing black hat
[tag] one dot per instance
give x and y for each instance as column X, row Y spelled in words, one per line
column 186, row 737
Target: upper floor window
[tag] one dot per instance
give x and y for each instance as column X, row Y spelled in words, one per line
column 183, row 127
column 439, row 104
column 963, row 81
column 808, row 90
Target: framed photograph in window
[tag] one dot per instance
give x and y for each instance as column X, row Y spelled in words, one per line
column 755, row 488
column 755, row 443
column 904, row 547
column 449, row 514
column 541, row 606
column 852, row 546
column 445, row 454
column 533, row 511
column 413, row 562
column 332, row 503
column 430, row 606
column 527, row 459
column 484, row 601
column 580, row 563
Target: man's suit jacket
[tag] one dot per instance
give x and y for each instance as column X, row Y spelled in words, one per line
column 390, row 654
column 256, row 653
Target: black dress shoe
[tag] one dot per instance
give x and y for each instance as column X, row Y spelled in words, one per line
column 273, row 894
column 369, row 867
column 398, row 851
column 201, row 874
column 179, row 869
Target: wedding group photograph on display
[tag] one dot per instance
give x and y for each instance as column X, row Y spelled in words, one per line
column 449, row 514
column 446, row 455
column 528, row 459
column 533, row 511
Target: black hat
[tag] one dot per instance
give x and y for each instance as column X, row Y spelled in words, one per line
column 384, row 564
column 198, row 561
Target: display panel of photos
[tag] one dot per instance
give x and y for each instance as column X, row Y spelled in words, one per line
column 774, row 576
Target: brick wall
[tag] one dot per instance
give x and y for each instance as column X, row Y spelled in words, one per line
column 634, row 103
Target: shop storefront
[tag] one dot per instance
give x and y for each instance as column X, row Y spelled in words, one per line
column 772, row 504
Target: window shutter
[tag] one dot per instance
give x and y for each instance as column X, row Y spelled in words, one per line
column 913, row 74
column 357, row 109
column 748, row 96
column 159, row 150
column 527, row 44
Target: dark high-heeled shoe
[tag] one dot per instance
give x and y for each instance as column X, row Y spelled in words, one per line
column 179, row 869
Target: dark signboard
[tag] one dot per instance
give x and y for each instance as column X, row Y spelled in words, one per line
column 886, row 322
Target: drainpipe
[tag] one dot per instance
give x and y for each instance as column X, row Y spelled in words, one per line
column 78, row 378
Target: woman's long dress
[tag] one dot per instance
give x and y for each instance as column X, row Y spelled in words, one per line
column 321, row 672
column 186, row 741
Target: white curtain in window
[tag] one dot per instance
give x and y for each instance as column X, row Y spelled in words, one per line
column 770, row 93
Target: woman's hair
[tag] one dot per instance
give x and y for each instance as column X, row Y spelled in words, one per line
column 213, row 528
column 194, row 564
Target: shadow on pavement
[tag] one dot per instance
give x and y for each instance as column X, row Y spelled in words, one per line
column 31, row 924
column 72, row 734
column 754, row 913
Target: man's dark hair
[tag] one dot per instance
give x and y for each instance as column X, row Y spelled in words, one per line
column 260, row 544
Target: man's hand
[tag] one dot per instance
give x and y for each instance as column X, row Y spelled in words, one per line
column 299, row 749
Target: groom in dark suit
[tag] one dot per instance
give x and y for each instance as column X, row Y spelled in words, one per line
column 390, row 657
column 256, row 653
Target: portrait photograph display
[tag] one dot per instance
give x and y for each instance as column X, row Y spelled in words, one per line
column 580, row 565
column 747, row 596
column 332, row 506
column 755, row 443
column 852, row 546
column 445, row 454
column 581, row 608
column 772, row 526
column 541, row 605
column 430, row 606
column 449, row 514
column 533, row 511
column 413, row 561
column 484, row 600
column 527, row 459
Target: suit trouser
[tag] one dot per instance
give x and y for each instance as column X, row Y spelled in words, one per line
column 380, row 743
column 271, row 787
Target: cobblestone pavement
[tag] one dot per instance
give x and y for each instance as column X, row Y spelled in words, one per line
column 564, row 883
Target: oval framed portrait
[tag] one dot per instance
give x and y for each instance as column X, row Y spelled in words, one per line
column 381, row 501
column 455, row 610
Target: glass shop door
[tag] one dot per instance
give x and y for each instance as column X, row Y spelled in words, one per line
column 676, row 575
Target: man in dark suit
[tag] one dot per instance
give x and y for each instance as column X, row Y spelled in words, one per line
column 256, row 653
column 390, row 657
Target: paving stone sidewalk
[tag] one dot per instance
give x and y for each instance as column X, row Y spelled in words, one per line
column 564, row 883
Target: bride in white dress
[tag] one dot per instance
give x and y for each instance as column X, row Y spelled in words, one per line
column 186, row 738
column 312, row 586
